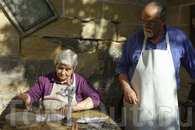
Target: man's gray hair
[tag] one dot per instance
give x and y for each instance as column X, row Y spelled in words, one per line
column 67, row 57
column 161, row 8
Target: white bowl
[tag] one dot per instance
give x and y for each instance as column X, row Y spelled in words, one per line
column 20, row 118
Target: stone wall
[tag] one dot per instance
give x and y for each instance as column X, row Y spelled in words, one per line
column 95, row 29
column 179, row 17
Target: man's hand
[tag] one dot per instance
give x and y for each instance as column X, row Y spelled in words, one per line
column 130, row 96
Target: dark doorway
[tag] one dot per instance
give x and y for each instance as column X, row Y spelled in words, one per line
column 192, row 24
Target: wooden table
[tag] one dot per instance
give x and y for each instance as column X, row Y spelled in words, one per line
column 58, row 126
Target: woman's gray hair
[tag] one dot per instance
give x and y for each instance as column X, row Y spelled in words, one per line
column 67, row 57
column 161, row 8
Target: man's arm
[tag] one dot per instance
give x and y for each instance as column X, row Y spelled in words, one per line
column 129, row 94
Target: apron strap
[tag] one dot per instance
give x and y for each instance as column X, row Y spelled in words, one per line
column 168, row 44
column 167, row 40
column 74, row 80
column 144, row 44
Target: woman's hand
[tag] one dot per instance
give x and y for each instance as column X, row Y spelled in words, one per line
column 130, row 96
column 69, row 82
column 83, row 105
column 24, row 99
column 64, row 109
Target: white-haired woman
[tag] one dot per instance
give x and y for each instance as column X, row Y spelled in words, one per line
column 52, row 87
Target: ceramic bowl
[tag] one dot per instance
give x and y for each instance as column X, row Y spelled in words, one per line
column 20, row 118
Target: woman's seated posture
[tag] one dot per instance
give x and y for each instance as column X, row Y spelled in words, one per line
column 52, row 87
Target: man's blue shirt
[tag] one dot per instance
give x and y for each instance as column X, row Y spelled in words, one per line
column 182, row 51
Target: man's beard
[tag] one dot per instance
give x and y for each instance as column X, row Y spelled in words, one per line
column 148, row 33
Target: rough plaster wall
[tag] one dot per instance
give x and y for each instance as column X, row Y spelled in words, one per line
column 95, row 29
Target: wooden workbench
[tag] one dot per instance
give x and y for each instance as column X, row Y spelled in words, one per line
column 57, row 125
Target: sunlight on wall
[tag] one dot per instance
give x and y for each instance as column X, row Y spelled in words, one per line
column 81, row 13
column 96, row 84
column 88, row 64
column 90, row 29
column 6, row 27
column 4, row 21
column 9, row 45
column 82, row 9
column 116, row 17
column 4, row 48
column 19, row 84
column 12, row 80
column 99, row 30
column 71, row 11
column 32, row 48
column 84, row 2
column 115, row 50
column 108, row 84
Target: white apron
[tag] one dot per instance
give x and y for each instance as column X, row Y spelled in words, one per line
column 58, row 97
column 154, row 82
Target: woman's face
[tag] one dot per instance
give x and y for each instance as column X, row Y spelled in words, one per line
column 64, row 72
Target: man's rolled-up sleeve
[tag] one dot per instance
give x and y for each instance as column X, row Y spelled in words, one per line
column 123, row 65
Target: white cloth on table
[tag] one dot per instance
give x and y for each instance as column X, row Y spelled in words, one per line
column 51, row 117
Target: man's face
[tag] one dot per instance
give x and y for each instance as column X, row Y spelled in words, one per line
column 64, row 72
column 151, row 22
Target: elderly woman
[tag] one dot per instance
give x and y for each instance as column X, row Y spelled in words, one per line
column 52, row 87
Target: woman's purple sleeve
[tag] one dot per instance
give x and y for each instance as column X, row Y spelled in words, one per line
column 85, row 90
column 36, row 92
